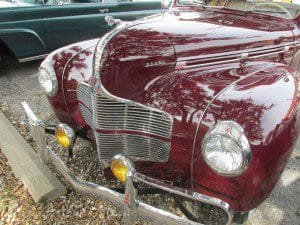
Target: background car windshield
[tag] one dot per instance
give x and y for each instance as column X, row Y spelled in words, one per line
column 283, row 8
column 27, row 1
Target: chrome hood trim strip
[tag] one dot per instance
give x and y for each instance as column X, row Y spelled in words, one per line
column 234, row 56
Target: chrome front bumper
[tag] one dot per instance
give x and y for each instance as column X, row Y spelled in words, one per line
column 131, row 207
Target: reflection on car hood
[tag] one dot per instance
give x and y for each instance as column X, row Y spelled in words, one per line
column 210, row 32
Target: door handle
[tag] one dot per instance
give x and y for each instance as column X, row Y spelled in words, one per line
column 103, row 10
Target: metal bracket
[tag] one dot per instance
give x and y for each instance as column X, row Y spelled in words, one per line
column 130, row 200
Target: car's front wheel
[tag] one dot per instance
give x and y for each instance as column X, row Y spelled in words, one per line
column 1, row 62
column 7, row 58
column 7, row 61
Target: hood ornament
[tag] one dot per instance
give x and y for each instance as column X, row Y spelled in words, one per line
column 112, row 21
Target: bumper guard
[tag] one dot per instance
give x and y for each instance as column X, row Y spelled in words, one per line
column 131, row 207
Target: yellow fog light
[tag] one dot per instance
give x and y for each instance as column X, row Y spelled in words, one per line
column 119, row 166
column 64, row 135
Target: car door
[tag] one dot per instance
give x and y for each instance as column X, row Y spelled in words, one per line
column 73, row 22
column 85, row 19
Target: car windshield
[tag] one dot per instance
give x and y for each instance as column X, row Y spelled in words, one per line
column 279, row 8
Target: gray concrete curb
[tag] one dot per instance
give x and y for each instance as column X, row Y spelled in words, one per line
column 38, row 179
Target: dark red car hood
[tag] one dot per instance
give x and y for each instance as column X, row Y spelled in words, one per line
column 153, row 46
column 207, row 32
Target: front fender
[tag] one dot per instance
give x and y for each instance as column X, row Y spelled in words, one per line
column 265, row 104
column 23, row 42
column 72, row 64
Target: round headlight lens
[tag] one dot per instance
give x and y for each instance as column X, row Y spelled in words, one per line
column 48, row 81
column 226, row 149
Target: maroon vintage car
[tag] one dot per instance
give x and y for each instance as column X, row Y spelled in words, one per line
column 201, row 102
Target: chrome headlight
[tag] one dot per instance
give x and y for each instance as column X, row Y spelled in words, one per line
column 226, row 149
column 47, row 78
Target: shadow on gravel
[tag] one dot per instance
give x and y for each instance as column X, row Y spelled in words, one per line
column 13, row 68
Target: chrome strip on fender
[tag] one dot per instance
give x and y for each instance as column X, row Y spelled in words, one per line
column 32, row 58
column 233, row 56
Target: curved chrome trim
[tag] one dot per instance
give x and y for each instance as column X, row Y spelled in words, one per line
column 186, row 194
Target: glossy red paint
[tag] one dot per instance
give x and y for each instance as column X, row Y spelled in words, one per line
column 75, row 59
column 139, row 64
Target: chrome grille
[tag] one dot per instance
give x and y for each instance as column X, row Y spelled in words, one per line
column 86, row 114
column 113, row 115
column 143, row 133
column 84, row 95
column 135, row 146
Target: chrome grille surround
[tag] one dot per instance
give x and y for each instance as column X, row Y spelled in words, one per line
column 152, row 128
column 122, row 126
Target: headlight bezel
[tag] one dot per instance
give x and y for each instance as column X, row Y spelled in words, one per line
column 47, row 68
column 241, row 141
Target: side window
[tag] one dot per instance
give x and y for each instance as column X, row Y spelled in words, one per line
column 63, row 2
column 115, row 1
column 85, row 1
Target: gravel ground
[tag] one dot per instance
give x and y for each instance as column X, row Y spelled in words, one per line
column 19, row 83
column 17, row 207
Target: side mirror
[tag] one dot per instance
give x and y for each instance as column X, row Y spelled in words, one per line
column 166, row 3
